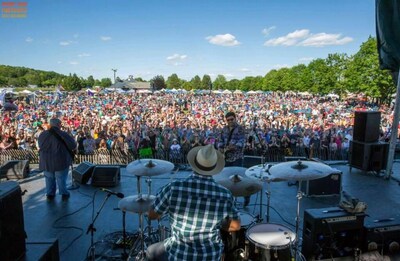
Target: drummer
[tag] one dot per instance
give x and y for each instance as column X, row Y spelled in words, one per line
column 198, row 208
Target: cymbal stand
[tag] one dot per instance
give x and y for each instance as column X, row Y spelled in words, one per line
column 141, row 255
column 149, row 227
column 92, row 229
column 124, row 254
column 268, row 194
column 299, row 197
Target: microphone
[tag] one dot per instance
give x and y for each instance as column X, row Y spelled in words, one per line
column 118, row 194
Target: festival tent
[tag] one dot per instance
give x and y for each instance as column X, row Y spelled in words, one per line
column 227, row 92
column 251, row 92
column 237, row 92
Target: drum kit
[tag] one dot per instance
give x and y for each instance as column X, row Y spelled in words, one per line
column 255, row 240
column 266, row 241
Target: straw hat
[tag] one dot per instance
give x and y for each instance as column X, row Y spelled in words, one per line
column 206, row 160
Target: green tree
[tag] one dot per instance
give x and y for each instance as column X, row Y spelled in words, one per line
column 196, row 83
column 219, row 82
column 363, row 73
column 158, row 82
column 90, row 81
column 206, row 82
column 105, row 82
column 173, row 81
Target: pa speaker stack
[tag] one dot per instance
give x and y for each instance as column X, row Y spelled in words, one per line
column 366, row 151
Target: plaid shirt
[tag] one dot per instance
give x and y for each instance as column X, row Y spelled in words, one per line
column 196, row 207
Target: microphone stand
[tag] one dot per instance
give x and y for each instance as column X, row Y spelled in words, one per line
column 92, row 229
column 73, row 185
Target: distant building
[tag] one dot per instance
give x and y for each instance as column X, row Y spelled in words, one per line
column 132, row 84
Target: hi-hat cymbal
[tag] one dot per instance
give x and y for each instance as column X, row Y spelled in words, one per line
column 149, row 167
column 301, row 170
column 240, row 186
column 136, row 204
column 261, row 172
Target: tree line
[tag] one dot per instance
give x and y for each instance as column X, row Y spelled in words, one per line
column 338, row 73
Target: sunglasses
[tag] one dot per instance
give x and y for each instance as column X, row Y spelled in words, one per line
column 230, row 119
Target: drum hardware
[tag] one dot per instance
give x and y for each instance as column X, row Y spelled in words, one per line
column 92, row 229
column 149, row 167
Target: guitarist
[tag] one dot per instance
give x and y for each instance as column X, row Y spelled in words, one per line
column 232, row 142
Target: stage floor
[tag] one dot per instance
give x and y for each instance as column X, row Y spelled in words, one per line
column 69, row 220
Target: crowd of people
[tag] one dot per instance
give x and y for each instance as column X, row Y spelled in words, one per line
column 145, row 124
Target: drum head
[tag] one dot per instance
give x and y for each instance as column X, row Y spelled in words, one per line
column 270, row 236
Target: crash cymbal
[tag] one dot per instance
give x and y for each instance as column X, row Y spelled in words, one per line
column 241, row 186
column 229, row 171
column 261, row 172
column 149, row 167
column 301, row 170
column 136, row 204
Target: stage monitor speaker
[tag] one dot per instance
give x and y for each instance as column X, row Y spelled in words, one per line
column 15, row 169
column 331, row 232
column 382, row 235
column 12, row 230
column 83, row 172
column 44, row 250
column 106, row 176
column 368, row 156
column 326, row 186
column 366, row 126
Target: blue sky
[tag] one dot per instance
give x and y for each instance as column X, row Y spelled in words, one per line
column 145, row 38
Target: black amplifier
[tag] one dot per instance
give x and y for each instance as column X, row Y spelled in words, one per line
column 382, row 235
column 331, row 232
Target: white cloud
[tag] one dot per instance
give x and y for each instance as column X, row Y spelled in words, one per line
column 244, row 70
column 290, row 39
column 266, row 31
column 105, row 38
column 228, row 75
column 223, row 40
column 76, row 36
column 65, row 43
column 177, row 57
column 324, row 39
column 59, row 62
column 73, row 63
column 29, row 40
column 303, row 37
column 84, row 55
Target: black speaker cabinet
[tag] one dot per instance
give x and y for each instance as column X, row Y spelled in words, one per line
column 12, row 230
column 106, row 176
column 15, row 169
column 368, row 156
column 44, row 250
column 83, row 172
column 382, row 235
column 329, row 185
column 366, row 126
column 331, row 232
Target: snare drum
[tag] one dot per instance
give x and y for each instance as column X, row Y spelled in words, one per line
column 271, row 241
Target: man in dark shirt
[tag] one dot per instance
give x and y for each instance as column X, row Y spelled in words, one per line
column 55, row 158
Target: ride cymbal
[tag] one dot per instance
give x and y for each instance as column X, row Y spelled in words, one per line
column 149, row 167
column 301, row 170
column 261, row 172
